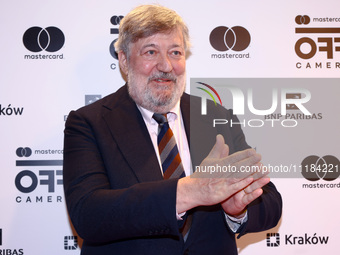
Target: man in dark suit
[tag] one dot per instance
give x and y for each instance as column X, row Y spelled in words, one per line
column 118, row 195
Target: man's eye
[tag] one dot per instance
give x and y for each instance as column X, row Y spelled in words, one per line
column 177, row 53
column 151, row 52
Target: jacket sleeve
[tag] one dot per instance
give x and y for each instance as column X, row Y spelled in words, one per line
column 263, row 213
column 99, row 211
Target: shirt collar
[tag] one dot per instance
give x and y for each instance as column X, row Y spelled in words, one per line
column 172, row 115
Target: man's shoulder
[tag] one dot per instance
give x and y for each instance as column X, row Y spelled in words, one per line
column 109, row 102
column 112, row 103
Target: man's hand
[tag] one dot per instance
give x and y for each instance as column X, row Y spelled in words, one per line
column 236, row 204
column 213, row 187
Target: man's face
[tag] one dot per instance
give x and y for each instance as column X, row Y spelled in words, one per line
column 156, row 70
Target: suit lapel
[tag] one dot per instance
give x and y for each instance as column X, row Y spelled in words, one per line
column 131, row 135
column 128, row 129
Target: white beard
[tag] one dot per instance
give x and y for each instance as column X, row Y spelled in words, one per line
column 158, row 99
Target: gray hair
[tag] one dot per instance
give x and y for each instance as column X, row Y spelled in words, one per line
column 147, row 20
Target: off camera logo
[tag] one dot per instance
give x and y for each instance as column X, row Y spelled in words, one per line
column 37, row 39
column 273, row 239
column 38, row 180
column 323, row 42
column 115, row 20
column 316, row 168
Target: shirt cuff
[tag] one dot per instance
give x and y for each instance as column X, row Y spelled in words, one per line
column 235, row 223
column 179, row 216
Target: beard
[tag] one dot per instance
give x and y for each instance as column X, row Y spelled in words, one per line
column 157, row 98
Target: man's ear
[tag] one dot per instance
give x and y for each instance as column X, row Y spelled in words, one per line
column 123, row 62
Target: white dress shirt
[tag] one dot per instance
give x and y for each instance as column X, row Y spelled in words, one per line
column 176, row 124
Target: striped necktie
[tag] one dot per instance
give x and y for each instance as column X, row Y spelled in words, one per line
column 171, row 161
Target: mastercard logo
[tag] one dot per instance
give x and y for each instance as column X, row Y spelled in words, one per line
column 50, row 39
column 24, row 152
column 224, row 38
column 302, row 20
column 315, row 168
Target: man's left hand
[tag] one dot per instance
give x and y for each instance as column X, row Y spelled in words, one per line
column 236, row 204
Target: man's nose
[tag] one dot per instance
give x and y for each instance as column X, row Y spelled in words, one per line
column 164, row 64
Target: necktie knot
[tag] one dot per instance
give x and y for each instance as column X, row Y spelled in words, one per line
column 160, row 118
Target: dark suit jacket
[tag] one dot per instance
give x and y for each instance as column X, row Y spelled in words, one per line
column 116, row 197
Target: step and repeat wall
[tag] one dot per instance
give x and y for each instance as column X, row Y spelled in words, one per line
column 277, row 63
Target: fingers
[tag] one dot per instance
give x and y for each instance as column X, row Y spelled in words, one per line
column 242, row 184
column 253, row 191
column 247, row 157
column 250, row 197
column 219, row 164
column 223, row 176
column 225, row 149
column 257, row 184
column 220, row 149
column 240, row 165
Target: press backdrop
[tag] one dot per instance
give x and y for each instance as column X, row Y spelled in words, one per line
column 58, row 55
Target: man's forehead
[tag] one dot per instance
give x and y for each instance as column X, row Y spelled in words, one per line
column 173, row 38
